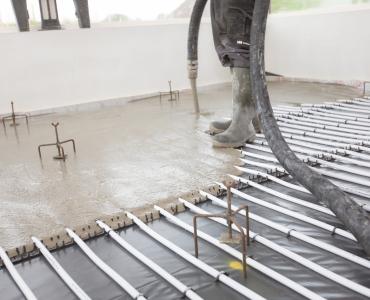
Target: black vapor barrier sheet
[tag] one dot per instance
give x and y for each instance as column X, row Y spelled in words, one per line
column 47, row 285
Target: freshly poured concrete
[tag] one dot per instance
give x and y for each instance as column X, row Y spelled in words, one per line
column 127, row 157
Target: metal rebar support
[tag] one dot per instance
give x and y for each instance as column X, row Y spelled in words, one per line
column 230, row 217
column 174, row 94
column 13, row 116
column 61, row 155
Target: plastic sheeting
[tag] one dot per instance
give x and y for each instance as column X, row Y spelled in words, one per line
column 47, row 285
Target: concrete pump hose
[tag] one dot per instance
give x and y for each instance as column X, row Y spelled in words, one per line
column 193, row 35
column 347, row 210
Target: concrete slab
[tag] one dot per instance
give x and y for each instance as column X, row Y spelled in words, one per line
column 127, row 157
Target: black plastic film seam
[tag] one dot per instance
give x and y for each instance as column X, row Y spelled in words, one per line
column 348, row 211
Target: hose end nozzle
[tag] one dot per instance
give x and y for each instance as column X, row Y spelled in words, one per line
column 193, row 69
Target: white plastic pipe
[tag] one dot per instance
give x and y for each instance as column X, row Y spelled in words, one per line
column 328, row 117
column 298, row 187
column 322, row 121
column 335, row 108
column 274, row 179
column 293, row 256
column 134, row 294
column 26, row 291
column 341, row 176
column 322, row 142
column 320, row 113
column 342, row 115
column 356, row 102
column 345, row 177
column 182, row 288
column 347, row 132
column 364, row 98
column 330, row 107
column 259, row 156
column 283, row 196
column 332, row 229
column 291, row 141
column 334, row 151
column 273, row 168
column 325, row 136
column 362, row 110
column 360, row 138
column 304, row 158
column 238, row 255
column 292, row 232
column 328, row 156
column 220, row 276
column 287, row 107
column 300, row 135
column 76, row 289
column 345, row 119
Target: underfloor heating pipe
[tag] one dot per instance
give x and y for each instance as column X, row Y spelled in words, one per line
column 332, row 229
column 75, row 288
column 26, row 291
column 321, row 121
column 134, row 294
column 299, row 142
column 314, row 160
column 283, row 196
column 274, row 179
column 356, row 132
column 220, row 276
column 291, row 255
column 291, row 232
column 238, row 255
column 343, row 177
column 182, row 288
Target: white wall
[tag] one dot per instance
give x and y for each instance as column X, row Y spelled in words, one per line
column 57, row 68
column 332, row 45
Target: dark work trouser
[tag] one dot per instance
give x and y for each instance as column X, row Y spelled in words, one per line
column 231, row 26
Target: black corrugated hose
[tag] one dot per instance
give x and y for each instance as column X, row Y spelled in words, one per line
column 194, row 26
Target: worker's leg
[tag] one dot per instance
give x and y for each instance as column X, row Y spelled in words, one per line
column 231, row 22
column 241, row 128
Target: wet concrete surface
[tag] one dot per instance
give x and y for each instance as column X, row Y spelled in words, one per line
column 127, row 157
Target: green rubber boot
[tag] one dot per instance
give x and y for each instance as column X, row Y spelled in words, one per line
column 241, row 128
column 217, row 127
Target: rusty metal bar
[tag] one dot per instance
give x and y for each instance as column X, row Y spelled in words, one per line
column 61, row 155
column 171, row 93
column 230, row 217
column 13, row 116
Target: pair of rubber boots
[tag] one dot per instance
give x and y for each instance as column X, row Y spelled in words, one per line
column 244, row 124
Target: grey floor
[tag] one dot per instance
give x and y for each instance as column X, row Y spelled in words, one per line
column 127, row 157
